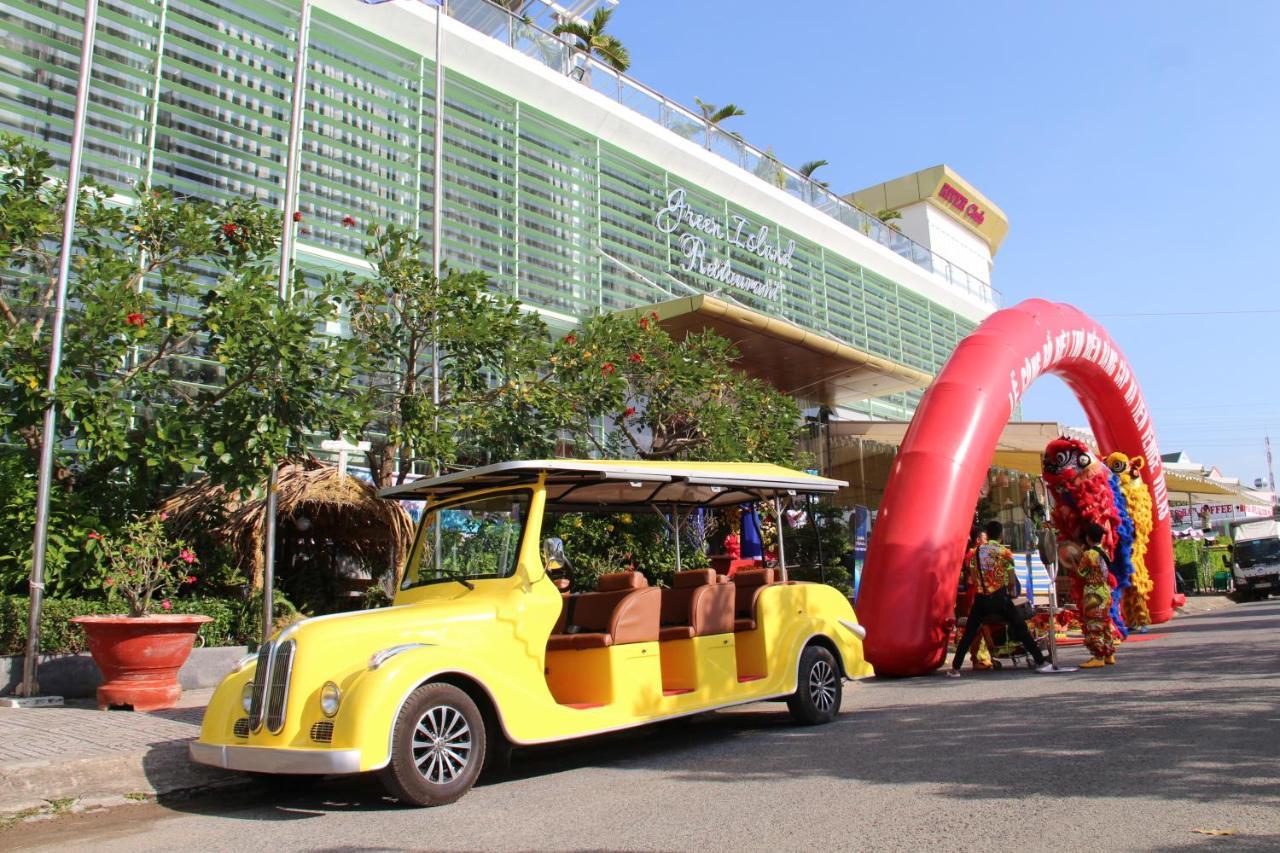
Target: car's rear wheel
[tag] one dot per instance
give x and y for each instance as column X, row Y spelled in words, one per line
column 437, row 748
column 818, row 688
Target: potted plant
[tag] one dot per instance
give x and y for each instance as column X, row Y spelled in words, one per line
column 140, row 654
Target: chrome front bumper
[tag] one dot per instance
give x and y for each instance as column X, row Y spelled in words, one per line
column 263, row 759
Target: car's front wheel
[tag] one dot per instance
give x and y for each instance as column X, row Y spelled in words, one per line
column 818, row 688
column 437, row 748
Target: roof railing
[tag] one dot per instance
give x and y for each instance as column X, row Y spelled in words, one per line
column 522, row 35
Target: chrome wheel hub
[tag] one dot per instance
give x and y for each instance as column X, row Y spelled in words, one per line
column 822, row 685
column 441, row 744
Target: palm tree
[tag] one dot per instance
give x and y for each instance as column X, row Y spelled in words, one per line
column 592, row 39
column 713, row 115
column 812, row 166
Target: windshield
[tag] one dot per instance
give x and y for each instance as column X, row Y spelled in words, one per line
column 469, row 540
column 1252, row 551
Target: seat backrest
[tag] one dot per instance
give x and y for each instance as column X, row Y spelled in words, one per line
column 677, row 602
column 747, row 585
column 616, row 581
column 624, row 606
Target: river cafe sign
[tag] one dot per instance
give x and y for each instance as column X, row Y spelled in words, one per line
column 705, row 242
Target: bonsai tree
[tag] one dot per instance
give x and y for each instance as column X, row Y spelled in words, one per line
column 592, row 39
column 143, row 562
column 888, row 216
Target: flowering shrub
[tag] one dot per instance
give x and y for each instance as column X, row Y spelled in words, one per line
column 143, row 562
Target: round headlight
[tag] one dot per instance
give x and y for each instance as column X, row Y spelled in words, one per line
column 246, row 696
column 330, row 698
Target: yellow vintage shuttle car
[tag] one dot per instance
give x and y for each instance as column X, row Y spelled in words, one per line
column 483, row 650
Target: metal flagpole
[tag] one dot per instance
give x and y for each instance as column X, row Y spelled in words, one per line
column 1048, row 547
column 48, row 437
column 437, row 205
column 282, row 289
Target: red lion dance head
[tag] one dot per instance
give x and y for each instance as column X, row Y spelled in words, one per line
column 1081, row 489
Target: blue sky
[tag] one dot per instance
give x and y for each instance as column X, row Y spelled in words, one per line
column 1132, row 145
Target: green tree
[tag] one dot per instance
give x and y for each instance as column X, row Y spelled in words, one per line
column 176, row 357
column 634, row 390
column 593, row 40
column 494, row 400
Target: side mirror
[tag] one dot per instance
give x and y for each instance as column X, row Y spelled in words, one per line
column 553, row 553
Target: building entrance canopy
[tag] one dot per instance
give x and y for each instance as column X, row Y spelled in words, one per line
column 1020, row 446
column 797, row 362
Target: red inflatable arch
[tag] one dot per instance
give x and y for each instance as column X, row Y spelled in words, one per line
column 908, row 589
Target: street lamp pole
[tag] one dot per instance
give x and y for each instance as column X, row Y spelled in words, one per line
column 437, row 206
column 283, row 286
column 48, row 436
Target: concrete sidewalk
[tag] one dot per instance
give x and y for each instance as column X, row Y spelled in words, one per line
column 80, row 753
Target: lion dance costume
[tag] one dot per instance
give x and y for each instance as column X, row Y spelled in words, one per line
column 1083, row 494
column 1095, row 608
column 1138, row 500
column 1081, row 490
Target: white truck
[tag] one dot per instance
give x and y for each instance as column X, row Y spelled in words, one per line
column 1255, row 558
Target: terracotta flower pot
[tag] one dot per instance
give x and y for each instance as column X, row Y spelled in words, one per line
column 140, row 657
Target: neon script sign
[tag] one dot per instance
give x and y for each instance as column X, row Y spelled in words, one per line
column 959, row 202
column 697, row 233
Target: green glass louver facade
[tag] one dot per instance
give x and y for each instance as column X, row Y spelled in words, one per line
column 194, row 95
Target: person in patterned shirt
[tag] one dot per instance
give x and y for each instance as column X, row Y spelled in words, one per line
column 1095, row 600
column 991, row 569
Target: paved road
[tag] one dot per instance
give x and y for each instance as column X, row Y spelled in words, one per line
column 1183, row 735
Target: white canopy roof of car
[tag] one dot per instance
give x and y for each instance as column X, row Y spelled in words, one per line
column 586, row 483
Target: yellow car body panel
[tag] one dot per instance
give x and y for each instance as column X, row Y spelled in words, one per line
column 492, row 638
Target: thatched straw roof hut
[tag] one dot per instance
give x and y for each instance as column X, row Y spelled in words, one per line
column 314, row 504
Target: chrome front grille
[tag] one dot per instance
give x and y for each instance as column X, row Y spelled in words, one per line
column 241, row 728
column 278, row 685
column 258, row 704
column 322, row 732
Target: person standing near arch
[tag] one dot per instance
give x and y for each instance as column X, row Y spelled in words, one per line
column 1095, row 601
column 992, row 569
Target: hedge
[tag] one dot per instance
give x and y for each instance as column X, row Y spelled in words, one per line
column 59, row 636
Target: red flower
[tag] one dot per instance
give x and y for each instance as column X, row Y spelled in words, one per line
column 607, row 368
column 631, row 410
column 166, row 605
column 644, row 322
column 187, row 556
column 297, row 216
column 571, row 339
column 349, row 221
column 164, row 516
column 635, row 358
column 96, row 535
column 136, row 319
column 191, row 579
column 109, row 581
column 230, row 229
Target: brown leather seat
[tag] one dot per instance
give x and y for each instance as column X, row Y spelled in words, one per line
column 747, row 585
column 695, row 606
column 623, row 609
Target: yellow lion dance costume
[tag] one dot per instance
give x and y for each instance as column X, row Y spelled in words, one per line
column 1134, row 604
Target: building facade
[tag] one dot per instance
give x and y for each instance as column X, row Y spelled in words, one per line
column 574, row 188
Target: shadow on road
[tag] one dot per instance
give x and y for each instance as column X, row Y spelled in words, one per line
column 1182, row 734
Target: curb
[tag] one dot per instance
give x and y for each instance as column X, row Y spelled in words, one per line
column 164, row 768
